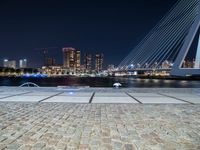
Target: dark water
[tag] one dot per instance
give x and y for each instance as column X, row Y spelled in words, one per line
column 100, row 82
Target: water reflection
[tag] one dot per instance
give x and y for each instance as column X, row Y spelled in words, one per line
column 156, row 80
column 102, row 82
column 167, row 81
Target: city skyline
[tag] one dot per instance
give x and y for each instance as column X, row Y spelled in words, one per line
column 72, row 59
column 103, row 27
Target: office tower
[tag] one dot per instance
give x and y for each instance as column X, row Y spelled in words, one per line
column 9, row 63
column 98, row 62
column 78, row 60
column 50, row 62
column 23, row 63
column 71, row 59
column 88, row 62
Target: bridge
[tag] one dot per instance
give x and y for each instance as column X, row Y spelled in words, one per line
column 173, row 44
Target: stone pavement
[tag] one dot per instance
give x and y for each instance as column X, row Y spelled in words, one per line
column 46, row 126
column 101, row 95
column 99, row 119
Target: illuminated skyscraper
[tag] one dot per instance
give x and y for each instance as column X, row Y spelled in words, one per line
column 50, row 61
column 88, row 62
column 99, row 62
column 78, row 60
column 71, row 59
column 9, row 63
column 23, row 63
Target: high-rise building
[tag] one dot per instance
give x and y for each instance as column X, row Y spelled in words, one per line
column 23, row 63
column 9, row 63
column 71, row 58
column 98, row 62
column 50, row 61
column 88, row 62
column 78, row 60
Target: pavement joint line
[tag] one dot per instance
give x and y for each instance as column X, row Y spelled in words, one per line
column 133, row 97
column 50, row 97
column 176, row 98
column 91, row 98
column 15, row 95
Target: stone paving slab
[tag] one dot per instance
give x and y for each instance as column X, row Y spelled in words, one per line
column 119, row 94
column 77, row 94
column 113, row 100
column 102, row 95
column 2, row 96
column 159, row 100
column 99, row 126
column 24, row 98
column 68, row 99
column 12, row 92
column 190, row 99
column 145, row 94
column 41, row 93
column 196, row 95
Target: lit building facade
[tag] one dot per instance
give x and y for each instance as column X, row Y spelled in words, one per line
column 111, row 67
column 71, row 59
column 78, row 60
column 88, row 63
column 52, row 70
column 9, row 63
column 166, row 64
column 188, row 64
column 50, row 61
column 98, row 62
column 23, row 63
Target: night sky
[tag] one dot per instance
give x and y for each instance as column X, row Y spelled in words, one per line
column 109, row 27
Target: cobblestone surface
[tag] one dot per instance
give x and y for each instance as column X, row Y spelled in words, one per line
column 49, row 126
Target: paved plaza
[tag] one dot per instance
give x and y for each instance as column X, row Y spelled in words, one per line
column 100, row 95
column 99, row 119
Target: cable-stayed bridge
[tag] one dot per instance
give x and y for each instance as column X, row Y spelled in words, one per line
column 173, row 44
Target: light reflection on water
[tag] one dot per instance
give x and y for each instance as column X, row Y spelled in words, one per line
column 156, row 80
column 167, row 81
